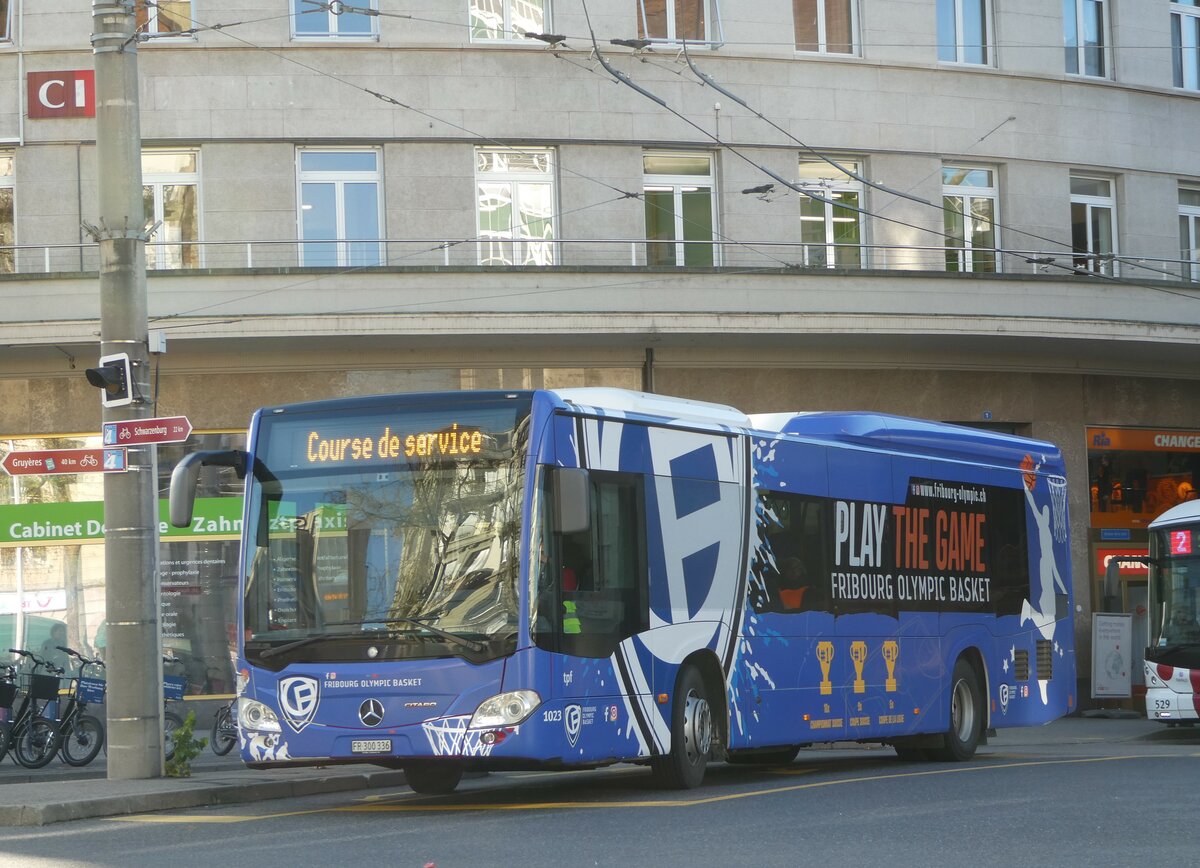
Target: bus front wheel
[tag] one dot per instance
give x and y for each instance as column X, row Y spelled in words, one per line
column 691, row 735
column 432, row 778
column 966, row 715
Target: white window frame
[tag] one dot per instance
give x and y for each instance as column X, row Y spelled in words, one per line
column 677, row 183
column 7, row 21
column 507, row 27
column 299, row 7
column 968, row 192
column 510, row 247
column 339, row 178
column 989, row 42
column 1093, row 261
column 823, row 36
column 157, row 248
column 1185, row 76
column 1190, row 256
column 8, row 181
column 159, row 36
column 714, row 33
column 832, row 181
column 1080, row 49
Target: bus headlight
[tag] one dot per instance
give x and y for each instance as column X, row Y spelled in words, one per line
column 505, row 709
column 253, row 715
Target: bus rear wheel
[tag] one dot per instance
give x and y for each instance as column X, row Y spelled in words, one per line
column 432, row 778
column 691, row 735
column 966, row 716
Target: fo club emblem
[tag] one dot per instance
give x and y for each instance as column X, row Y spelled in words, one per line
column 299, row 696
column 572, row 719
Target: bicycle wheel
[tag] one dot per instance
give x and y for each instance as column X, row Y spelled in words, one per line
column 82, row 742
column 224, row 735
column 4, row 731
column 37, row 743
column 171, row 722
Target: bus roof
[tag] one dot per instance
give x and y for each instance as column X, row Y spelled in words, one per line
column 914, row 436
column 1183, row 513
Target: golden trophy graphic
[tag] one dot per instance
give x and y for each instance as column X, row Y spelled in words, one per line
column 891, row 652
column 858, row 653
column 825, row 658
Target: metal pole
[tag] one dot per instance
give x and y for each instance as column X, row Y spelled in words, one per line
column 130, row 499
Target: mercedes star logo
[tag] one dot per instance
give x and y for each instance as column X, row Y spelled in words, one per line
column 371, row 712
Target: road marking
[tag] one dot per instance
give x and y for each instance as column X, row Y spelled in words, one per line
column 428, row 808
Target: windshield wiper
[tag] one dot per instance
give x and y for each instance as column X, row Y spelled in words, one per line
column 469, row 644
column 296, row 643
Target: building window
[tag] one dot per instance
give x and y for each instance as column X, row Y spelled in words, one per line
column 680, row 208
column 170, row 196
column 500, row 20
column 333, row 21
column 8, row 222
column 1093, row 225
column 969, row 209
column 1185, row 43
column 827, row 26
column 680, row 20
column 964, row 31
column 832, row 231
column 514, row 194
column 5, row 21
column 339, row 207
column 1084, row 30
column 1189, row 232
column 164, row 16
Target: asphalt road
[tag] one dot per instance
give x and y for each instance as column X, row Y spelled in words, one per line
column 1101, row 797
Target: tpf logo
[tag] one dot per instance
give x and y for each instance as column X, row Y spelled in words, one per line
column 299, row 696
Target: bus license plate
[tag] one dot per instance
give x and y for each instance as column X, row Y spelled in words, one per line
column 371, row 745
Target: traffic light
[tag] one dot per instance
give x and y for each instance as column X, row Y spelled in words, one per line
column 114, row 379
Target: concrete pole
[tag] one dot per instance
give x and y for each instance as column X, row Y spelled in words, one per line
column 131, row 581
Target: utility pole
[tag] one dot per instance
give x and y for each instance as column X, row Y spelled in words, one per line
column 134, row 642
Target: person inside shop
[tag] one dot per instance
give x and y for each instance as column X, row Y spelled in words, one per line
column 50, row 648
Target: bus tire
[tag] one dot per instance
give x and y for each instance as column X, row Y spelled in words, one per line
column 432, row 778
column 691, row 734
column 966, row 715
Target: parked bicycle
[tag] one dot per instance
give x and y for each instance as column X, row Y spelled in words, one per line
column 32, row 738
column 224, row 728
column 81, row 735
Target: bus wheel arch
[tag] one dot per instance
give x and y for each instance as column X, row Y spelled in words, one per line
column 968, row 714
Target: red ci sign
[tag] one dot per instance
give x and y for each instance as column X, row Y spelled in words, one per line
column 69, row 94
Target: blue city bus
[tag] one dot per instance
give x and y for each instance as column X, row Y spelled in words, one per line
column 574, row 578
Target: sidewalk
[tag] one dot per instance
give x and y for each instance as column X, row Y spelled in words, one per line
column 58, row 793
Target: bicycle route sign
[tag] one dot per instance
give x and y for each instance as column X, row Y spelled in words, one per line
column 57, row 461
column 134, row 432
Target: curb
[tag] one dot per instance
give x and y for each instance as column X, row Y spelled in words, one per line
column 77, row 807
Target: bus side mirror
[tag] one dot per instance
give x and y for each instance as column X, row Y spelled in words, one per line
column 572, row 506
column 183, row 480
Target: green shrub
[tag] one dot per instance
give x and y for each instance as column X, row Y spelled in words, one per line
column 187, row 748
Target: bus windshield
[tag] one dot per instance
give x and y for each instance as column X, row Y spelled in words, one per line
column 1176, row 586
column 395, row 527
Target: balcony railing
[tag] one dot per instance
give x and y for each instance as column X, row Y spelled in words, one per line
column 607, row 253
